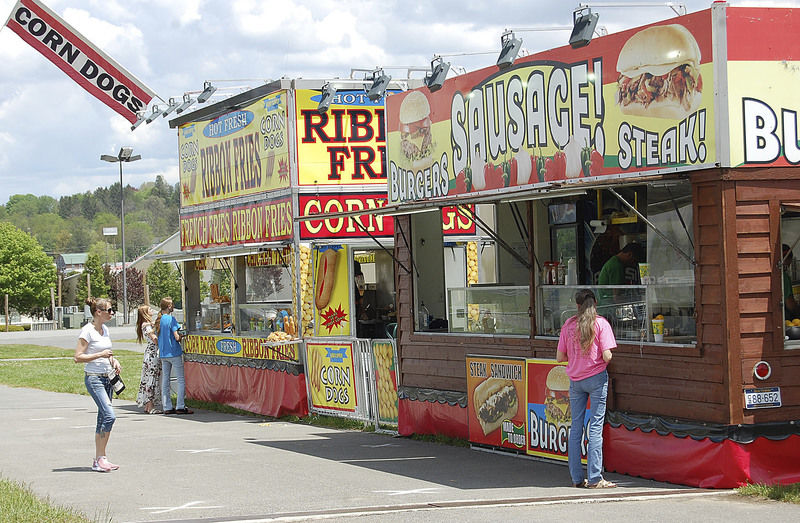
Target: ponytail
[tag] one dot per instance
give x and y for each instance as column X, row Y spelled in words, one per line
column 587, row 315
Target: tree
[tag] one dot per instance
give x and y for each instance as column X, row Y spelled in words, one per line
column 134, row 283
column 26, row 272
column 164, row 280
column 95, row 270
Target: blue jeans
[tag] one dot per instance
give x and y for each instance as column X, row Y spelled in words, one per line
column 167, row 366
column 594, row 388
column 99, row 389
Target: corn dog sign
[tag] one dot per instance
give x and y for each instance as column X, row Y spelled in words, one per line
column 331, row 376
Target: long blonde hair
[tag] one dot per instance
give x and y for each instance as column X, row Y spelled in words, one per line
column 587, row 315
column 166, row 304
column 143, row 317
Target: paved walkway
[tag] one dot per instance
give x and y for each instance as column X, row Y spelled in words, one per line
column 219, row 467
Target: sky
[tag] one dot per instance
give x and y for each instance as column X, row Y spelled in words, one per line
column 52, row 132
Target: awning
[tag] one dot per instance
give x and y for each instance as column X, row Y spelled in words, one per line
column 220, row 252
column 535, row 191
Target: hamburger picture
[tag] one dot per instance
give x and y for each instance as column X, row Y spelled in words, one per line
column 415, row 130
column 495, row 400
column 660, row 73
column 556, row 403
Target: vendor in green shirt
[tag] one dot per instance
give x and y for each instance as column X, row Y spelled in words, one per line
column 789, row 303
column 616, row 270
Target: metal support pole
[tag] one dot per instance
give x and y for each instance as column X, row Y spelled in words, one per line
column 124, row 274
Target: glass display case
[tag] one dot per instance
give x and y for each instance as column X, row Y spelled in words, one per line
column 630, row 309
column 261, row 319
column 489, row 309
column 215, row 317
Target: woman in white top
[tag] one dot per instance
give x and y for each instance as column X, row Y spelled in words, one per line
column 94, row 350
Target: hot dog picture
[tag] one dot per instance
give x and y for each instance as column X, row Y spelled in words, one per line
column 660, row 73
column 495, row 400
column 326, row 272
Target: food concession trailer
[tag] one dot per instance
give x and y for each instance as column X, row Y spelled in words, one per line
column 681, row 137
column 271, row 294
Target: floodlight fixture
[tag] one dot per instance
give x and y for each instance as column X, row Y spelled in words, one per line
column 208, row 90
column 435, row 79
column 187, row 101
column 173, row 104
column 125, row 153
column 139, row 121
column 155, row 114
column 510, row 47
column 380, row 82
column 328, row 92
column 584, row 22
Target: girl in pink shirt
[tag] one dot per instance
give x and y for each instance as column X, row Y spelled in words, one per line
column 585, row 343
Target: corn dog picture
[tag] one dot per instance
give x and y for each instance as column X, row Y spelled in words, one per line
column 326, row 277
column 331, row 291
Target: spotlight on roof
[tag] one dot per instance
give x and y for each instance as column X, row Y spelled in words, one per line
column 208, row 90
column 155, row 114
column 380, row 82
column 187, row 102
column 173, row 104
column 435, row 79
column 139, row 121
column 510, row 48
column 328, row 92
column 584, row 22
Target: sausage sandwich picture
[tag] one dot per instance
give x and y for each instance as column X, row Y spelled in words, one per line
column 660, row 73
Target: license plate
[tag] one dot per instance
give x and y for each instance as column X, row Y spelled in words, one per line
column 762, row 398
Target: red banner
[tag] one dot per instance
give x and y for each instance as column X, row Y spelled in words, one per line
column 71, row 52
column 454, row 223
column 265, row 221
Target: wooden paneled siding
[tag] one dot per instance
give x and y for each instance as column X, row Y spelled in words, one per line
column 759, row 194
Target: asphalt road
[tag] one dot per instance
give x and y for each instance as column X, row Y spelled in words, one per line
column 219, row 467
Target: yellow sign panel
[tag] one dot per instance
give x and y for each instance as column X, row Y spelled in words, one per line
column 236, row 154
column 256, row 348
column 345, row 145
column 331, row 379
column 331, row 291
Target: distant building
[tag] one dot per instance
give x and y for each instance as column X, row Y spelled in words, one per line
column 75, row 262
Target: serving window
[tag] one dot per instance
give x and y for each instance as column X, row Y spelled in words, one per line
column 473, row 285
column 634, row 247
column 789, row 270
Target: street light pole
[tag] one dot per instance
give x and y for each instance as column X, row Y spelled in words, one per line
column 124, row 155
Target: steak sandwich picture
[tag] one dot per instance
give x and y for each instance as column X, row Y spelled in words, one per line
column 556, row 401
column 495, row 400
column 660, row 73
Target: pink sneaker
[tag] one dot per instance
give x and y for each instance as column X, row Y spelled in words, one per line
column 98, row 468
column 102, row 462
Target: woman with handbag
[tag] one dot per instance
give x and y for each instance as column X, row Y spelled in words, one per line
column 100, row 368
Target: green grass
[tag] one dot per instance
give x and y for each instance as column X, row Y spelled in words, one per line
column 787, row 493
column 62, row 375
column 19, row 504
